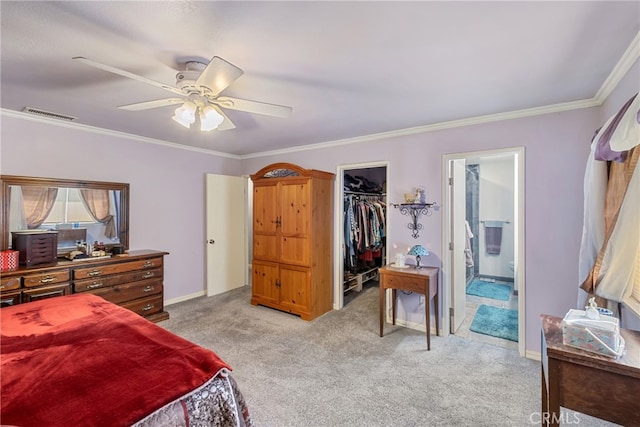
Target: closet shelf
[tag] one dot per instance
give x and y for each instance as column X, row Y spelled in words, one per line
column 355, row 281
column 415, row 210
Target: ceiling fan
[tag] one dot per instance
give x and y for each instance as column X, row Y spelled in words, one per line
column 199, row 87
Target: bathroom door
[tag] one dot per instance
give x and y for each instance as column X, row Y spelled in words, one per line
column 457, row 213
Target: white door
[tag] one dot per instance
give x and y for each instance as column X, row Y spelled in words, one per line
column 458, row 206
column 226, row 214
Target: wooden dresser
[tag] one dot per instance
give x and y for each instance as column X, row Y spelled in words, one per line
column 292, row 262
column 134, row 281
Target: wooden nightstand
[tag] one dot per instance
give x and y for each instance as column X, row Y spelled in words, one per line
column 423, row 281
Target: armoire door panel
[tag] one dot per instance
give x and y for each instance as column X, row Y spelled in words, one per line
column 295, row 209
column 265, row 209
column 295, row 250
column 265, row 247
column 265, row 284
column 295, row 289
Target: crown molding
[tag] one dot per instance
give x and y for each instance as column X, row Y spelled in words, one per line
column 92, row 129
column 536, row 111
column 625, row 63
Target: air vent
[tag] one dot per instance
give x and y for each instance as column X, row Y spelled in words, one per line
column 48, row 114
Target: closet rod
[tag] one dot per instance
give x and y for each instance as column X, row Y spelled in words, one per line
column 497, row 220
column 360, row 193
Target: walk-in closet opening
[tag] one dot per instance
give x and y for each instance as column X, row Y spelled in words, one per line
column 363, row 229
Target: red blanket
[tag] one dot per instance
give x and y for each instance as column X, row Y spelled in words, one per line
column 80, row 360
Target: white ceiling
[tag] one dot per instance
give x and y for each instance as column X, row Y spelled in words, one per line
column 348, row 69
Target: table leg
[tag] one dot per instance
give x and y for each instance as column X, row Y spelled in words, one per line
column 436, row 309
column 553, row 393
column 393, row 305
column 427, row 310
column 381, row 308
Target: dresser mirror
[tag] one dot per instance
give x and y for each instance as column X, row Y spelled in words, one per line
column 78, row 210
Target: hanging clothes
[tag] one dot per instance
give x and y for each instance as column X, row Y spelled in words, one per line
column 364, row 231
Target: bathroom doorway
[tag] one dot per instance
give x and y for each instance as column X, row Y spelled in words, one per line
column 483, row 270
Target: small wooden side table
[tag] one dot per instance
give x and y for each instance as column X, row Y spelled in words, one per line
column 423, row 281
column 586, row 382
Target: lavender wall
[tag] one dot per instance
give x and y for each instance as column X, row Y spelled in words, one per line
column 556, row 147
column 167, row 187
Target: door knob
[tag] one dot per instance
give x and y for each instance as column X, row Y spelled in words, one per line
column 212, row 242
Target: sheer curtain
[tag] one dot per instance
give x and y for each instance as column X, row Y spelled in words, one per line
column 37, row 203
column 610, row 246
column 98, row 205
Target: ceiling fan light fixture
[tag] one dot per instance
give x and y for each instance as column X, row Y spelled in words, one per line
column 186, row 114
column 210, row 119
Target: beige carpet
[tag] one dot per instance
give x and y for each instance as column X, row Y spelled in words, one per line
column 337, row 371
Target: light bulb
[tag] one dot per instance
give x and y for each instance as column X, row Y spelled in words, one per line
column 210, row 119
column 186, row 114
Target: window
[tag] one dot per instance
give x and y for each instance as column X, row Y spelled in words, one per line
column 68, row 208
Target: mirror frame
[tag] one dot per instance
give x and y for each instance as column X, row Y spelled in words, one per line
column 7, row 180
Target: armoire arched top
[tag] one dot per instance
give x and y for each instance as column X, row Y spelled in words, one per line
column 289, row 170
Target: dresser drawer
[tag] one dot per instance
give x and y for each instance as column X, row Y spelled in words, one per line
column 103, row 282
column 10, row 298
column 405, row 283
column 107, row 269
column 47, row 278
column 145, row 306
column 9, row 283
column 30, row 295
column 123, row 293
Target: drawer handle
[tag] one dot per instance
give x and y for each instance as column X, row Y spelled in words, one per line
column 148, row 289
column 7, row 302
column 48, row 279
column 95, row 285
column 94, row 273
column 2, row 287
column 148, row 275
column 147, row 307
column 147, row 264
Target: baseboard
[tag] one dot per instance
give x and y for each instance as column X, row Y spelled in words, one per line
column 498, row 278
column 533, row 355
column 184, row 298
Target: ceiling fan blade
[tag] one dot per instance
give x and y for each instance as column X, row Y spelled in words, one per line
column 226, row 124
column 129, row 75
column 218, row 75
column 253, row 106
column 152, row 104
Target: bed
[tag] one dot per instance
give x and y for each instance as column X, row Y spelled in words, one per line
column 80, row 360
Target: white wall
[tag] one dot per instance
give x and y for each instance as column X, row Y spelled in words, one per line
column 497, row 203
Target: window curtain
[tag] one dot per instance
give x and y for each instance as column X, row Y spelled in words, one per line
column 97, row 203
column 611, row 238
column 37, row 203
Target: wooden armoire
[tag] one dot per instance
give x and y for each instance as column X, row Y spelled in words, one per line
column 292, row 264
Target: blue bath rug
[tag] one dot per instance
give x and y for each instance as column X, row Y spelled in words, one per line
column 496, row 322
column 489, row 290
